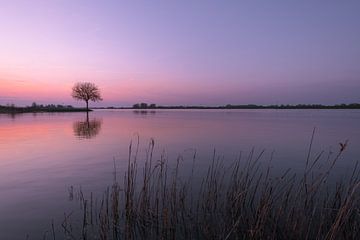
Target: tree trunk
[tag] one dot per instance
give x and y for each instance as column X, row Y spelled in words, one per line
column 87, row 106
column 87, row 118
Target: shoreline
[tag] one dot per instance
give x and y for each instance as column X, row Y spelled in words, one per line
column 281, row 107
column 18, row 110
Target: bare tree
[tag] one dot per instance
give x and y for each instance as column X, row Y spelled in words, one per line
column 86, row 91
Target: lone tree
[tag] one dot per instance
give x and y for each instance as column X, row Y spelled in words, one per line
column 86, row 91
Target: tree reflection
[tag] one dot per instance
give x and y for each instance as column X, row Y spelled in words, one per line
column 144, row 112
column 87, row 129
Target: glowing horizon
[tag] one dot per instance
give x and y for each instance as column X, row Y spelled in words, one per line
column 180, row 53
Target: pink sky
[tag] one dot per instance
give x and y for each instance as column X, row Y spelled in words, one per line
column 180, row 53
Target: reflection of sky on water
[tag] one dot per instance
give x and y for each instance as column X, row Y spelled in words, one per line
column 41, row 157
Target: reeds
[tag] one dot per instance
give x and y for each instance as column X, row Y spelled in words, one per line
column 244, row 200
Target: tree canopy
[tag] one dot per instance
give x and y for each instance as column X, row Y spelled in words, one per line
column 86, row 91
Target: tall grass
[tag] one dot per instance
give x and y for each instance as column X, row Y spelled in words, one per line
column 241, row 201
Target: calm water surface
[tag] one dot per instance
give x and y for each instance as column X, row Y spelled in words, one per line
column 42, row 155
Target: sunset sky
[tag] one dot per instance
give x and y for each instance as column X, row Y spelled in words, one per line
column 181, row 52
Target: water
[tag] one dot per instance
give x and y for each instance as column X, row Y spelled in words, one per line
column 42, row 155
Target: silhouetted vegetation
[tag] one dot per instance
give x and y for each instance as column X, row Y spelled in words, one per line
column 245, row 200
column 144, row 106
column 86, row 91
column 298, row 106
column 251, row 106
column 12, row 109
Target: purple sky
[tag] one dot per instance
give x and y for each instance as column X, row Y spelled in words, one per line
column 181, row 52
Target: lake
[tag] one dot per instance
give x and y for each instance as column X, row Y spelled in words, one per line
column 42, row 155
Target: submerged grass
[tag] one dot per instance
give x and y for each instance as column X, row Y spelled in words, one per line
column 241, row 201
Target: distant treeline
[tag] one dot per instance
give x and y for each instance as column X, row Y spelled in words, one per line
column 298, row 106
column 11, row 108
column 144, row 106
column 250, row 106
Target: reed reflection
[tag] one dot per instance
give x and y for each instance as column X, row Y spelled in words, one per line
column 87, row 129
